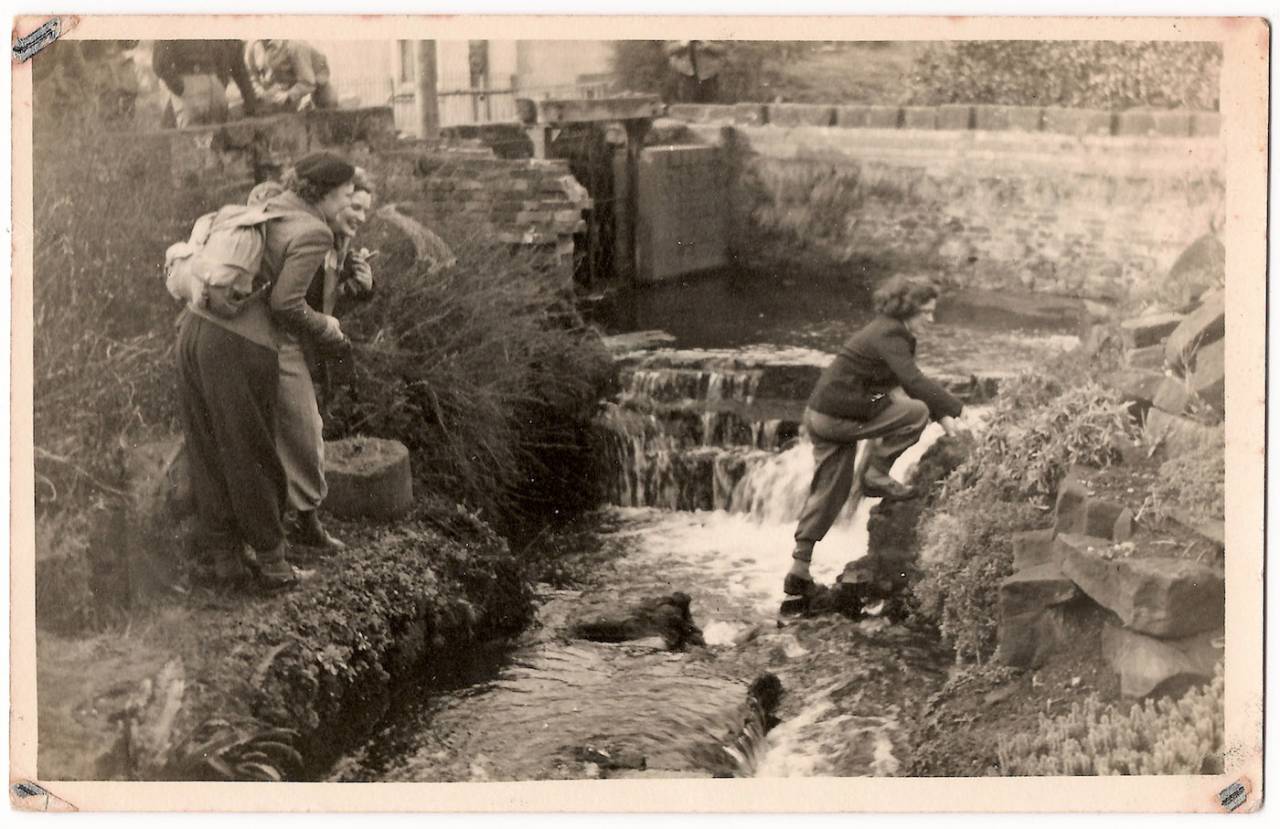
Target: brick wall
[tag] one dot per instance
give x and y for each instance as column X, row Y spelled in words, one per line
column 1071, row 214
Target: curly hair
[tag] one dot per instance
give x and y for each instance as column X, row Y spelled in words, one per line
column 311, row 192
column 363, row 181
column 902, row 298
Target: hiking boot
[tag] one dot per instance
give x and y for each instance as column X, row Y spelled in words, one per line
column 876, row 484
column 305, row 529
column 794, row 585
column 276, row 574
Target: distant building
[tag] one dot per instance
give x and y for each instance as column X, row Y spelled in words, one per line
column 477, row 81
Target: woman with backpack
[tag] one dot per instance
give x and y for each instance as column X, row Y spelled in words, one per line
column 228, row 374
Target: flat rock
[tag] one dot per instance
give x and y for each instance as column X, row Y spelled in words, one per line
column 1204, row 325
column 1149, row 330
column 1179, row 434
column 1166, row 597
column 1207, row 378
column 1032, row 548
column 636, row 341
column 1155, row 667
column 1150, row 357
column 667, row 617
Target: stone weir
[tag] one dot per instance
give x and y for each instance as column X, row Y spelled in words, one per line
column 709, row 430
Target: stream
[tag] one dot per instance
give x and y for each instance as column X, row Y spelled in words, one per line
column 708, row 473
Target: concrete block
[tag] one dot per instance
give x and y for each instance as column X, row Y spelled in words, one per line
column 1032, row 548
column 368, row 478
column 702, row 113
column 1166, row 597
column 878, row 117
column 919, row 118
column 1173, row 123
column 797, row 115
column 1209, row 375
column 1140, row 332
column 955, row 117
column 752, row 115
column 1206, row 324
column 1179, row 434
column 1026, row 119
column 1206, row 124
column 1070, row 121
column 1156, row 667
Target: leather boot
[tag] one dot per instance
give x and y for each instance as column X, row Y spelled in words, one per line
column 307, row 530
column 276, row 574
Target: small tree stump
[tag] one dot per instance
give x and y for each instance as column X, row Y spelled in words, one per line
column 368, row 478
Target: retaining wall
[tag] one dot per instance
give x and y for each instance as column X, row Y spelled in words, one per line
column 1093, row 210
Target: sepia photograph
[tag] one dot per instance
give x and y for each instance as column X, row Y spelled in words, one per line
column 831, row 402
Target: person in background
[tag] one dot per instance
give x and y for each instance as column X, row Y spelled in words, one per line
column 872, row 389
column 290, row 75
column 344, row 276
column 229, row 375
column 696, row 65
column 196, row 73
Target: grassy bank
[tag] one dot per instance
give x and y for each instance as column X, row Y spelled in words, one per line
column 212, row 687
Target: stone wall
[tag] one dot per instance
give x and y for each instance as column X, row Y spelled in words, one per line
column 1098, row 206
column 519, row 201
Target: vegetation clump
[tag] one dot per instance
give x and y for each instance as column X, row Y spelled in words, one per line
column 1183, row 736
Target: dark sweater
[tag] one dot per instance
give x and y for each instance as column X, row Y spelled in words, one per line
column 880, row 356
column 225, row 58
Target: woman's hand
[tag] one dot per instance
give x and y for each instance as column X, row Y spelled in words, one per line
column 361, row 271
column 955, row 429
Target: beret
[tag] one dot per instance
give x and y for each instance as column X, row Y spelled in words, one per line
column 324, row 168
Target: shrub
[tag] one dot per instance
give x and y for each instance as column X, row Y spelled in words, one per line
column 1034, row 436
column 486, row 373
column 751, row 69
column 1191, row 485
column 1183, row 736
column 965, row 553
column 1092, row 74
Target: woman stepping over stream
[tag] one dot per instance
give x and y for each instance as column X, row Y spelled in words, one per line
column 872, row 390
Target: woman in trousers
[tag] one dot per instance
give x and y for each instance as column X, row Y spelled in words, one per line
column 228, row 375
column 871, row 390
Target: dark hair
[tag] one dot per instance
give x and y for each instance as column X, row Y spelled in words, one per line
column 311, row 192
column 902, row 298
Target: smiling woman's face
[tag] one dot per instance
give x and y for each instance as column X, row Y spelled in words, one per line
column 355, row 214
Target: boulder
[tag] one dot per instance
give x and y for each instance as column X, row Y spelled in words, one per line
column 1166, row 597
column 368, row 478
column 1172, row 396
column 1140, row 332
column 667, row 617
column 1027, row 640
column 1032, row 548
column 1156, row 667
column 1204, row 325
column 1199, row 268
column 1207, row 378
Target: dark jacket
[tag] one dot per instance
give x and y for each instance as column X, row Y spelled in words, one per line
column 172, row 59
column 880, row 356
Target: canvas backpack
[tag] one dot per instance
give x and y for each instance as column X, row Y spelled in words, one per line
column 217, row 268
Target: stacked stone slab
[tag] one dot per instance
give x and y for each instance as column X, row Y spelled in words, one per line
column 1164, row 631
